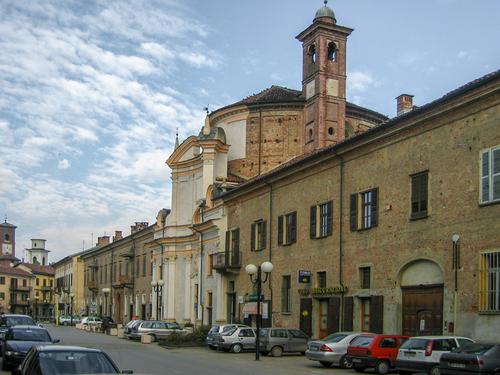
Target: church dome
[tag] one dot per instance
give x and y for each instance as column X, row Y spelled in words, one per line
column 325, row 11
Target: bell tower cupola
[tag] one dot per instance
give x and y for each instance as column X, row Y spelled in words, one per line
column 324, row 79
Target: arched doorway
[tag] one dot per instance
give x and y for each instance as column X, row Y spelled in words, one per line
column 422, row 291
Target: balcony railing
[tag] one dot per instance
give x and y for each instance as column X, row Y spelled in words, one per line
column 19, row 303
column 18, row 288
column 226, row 262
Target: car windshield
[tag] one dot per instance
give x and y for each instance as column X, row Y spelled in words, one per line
column 415, row 344
column 214, row 329
column 173, row 326
column 28, row 335
column 334, row 337
column 11, row 321
column 58, row 363
column 473, row 348
column 362, row 341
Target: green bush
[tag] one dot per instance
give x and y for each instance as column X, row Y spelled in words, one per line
column 197, row 337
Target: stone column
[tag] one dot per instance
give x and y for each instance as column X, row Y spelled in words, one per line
column 221, row 299
column 187, row 284
column 153, row 300
column 137, row 303
column 170, row 284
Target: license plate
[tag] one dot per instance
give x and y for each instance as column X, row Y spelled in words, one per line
column 356, row 360
column 314, row 348
column 410, row 354
column 456, row 365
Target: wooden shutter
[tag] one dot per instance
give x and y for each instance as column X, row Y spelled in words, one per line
column 424, row 192
column 333, row 318
column 305, row 323
column 252, row 237
column 377, row 314
column 312, row 230
column 348, row 313
column 374, row 213
column 263, row 237
column 280, row 230
column 353, row 212
column 329, row 218
column 293, row 228
column 236, row 235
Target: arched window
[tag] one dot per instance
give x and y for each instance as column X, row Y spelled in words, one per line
column 312, row 53
column 43, row 261
column 332, row 51
column 35, row 260
column 7, row 237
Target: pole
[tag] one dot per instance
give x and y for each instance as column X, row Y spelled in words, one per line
column 71, row 311
column 57, row 309
column 157, row 289
column 257, row 334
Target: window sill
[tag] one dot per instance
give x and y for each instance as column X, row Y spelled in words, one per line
column 286, row 313
column 259, row 249
column 419, row 217
column 489, row 312
column 492, row 203
column 287, row 244
column 321, row 237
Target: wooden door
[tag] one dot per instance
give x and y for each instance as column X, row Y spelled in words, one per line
column 305, row 316
column 323, row 318
column 423, row 310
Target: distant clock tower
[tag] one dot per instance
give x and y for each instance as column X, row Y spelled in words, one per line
column 7, row 238
column 324, row 80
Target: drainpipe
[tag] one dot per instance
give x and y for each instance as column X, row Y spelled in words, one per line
column 201, row 299
column 260, row 140
column 341, row 238
column 270, row 246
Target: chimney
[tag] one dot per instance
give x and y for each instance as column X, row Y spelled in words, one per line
column 103, row 241
column 404, row 104
column 117, row 236
column 139, row 225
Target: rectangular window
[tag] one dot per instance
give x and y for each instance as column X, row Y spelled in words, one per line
column 364, row 277
column 321, row 220
column 419, row 195
column 2, row 296
column 489, row 279
column 144, row 265
column 232, row 247
column 286, row 294
column 258, row 235
column 322, row 279
column 364, row 210
column 24, row 282
column 2, row 280
column 490, row 175
column 37, row 281
column 210, row 264
column 287, row 229
column 137, row 267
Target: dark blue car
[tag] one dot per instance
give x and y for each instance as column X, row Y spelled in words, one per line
column 18, row 340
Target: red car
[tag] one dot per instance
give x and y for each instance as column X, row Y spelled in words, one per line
column 377, row 351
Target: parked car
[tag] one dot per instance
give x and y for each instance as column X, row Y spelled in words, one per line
column 219, row 329
column 129, row 327
column 91, row 320
column 18, row 340
column 11, row 320
column 332, row 349
column 59, row 359
column 157, row 329
column 422, row 354
column 279, row 340
column 65, row 320
column 476, row 358
column 375, row 351
column 235, row 339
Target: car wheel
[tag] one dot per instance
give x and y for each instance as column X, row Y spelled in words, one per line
column 359, row 368
column 153, row 338
column 236, row 348
column 277, row 351
column 382, row 367
column 325, row 364
column 345, row 362
column 435, row 371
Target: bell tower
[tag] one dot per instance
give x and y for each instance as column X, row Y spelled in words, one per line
column 324, row 80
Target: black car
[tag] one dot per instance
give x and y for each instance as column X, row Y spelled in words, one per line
column 67, row 360
column 477, row 358
column 11, row 320
column 18, row 340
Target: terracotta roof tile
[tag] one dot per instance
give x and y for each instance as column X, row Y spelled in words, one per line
column 38, row 268
column 7, row 270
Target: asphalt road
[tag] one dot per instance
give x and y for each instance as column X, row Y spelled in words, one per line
column 155, row 360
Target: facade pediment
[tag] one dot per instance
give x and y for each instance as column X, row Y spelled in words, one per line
column 187, row 151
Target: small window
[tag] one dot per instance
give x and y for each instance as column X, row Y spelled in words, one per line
column 321, row 224
column 419, row 195
column 232, row 247
column 258, row 235
column 312, row 53
column 490, row 175
column 7, row 237
column 2, row 280
column 286, row 294
column 489, row 281
column 332, row 51
column 364, row 276
column 287, row 229
column 210, row 264
column 364, row 210
column 321, row 279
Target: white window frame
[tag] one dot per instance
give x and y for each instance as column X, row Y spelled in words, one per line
column 490, row 177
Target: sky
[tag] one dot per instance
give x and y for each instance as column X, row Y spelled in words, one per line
column 92, row 92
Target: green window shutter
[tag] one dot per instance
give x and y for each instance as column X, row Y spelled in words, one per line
column 280, row 230
column 329, row 218
column 293, row 228
column 236, row 234
column 424, row 187
column 377, row 314
column 353, row 212
column 415, row 189
column 312, row 229
column 374, row 212
column 485, row 176
column 263, row 237
column 252, row 237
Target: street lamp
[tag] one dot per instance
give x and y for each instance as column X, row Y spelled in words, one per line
column 255, row 273
column 157, row 287
column 106, row 291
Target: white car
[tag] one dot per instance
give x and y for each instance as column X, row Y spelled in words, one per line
column 91, row 320
column 422, row 353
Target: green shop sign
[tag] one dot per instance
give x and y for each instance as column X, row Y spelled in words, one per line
column 323, row 291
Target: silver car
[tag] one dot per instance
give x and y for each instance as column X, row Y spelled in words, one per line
column 216, row 329
column 279, row 340
column 235, row 339
column 157, row 329
column 332, row 350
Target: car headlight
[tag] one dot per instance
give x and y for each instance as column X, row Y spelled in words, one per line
column 11, row 353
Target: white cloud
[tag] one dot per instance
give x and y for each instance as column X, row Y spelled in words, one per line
column 358, row 81
column 63, row 164
column 463, row 54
